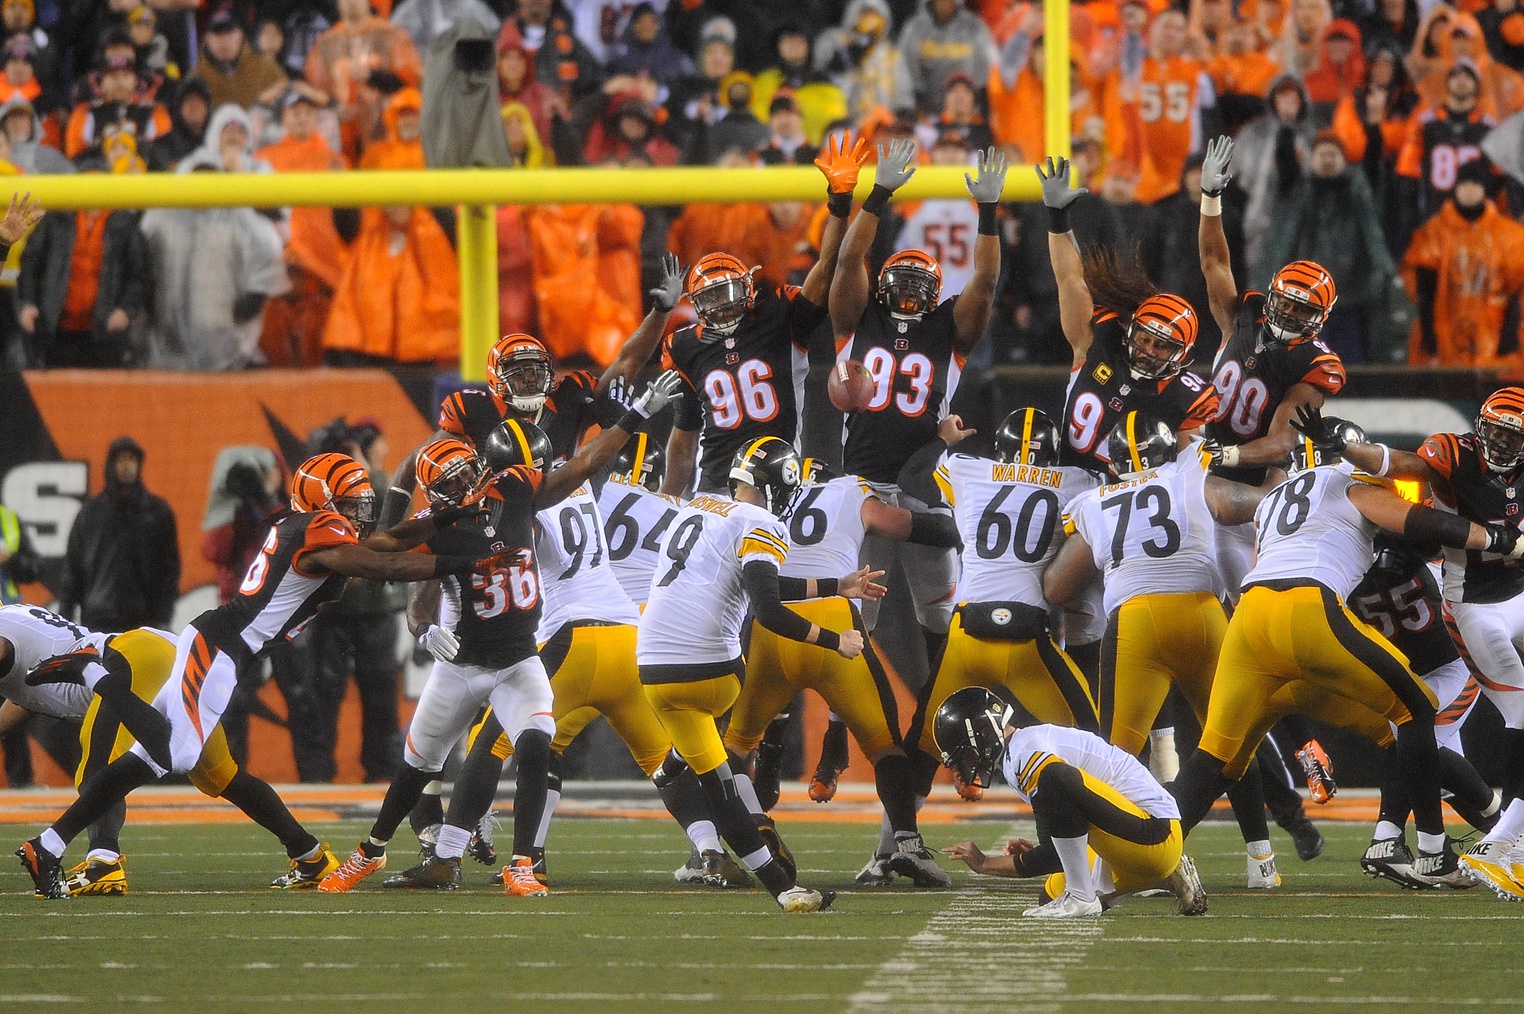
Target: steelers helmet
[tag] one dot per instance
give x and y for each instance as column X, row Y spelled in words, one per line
column 1305, row 454
column 970, row 732
column 1028, row 436
column 1301, row 295
column 1500, row 429
column 816, row 472
column 1171, row 324
column 641, row 462
column 335, row 482
column 772, row 467
column 516, row 442
column 910, row 283
column 1139, row 442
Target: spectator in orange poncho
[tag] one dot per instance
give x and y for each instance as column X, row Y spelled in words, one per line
column 344, row 56
column 1340, row 69
column 1015, row 89
column 398, row 299
column 1376, row 117
column 515, row 264
column 1241, row 73
column 1502, row 87
column 1463, row 268
column 315, row 252
column 402, row 145
column 586, row 276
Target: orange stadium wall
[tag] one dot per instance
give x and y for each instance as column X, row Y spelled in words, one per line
column 57, row 427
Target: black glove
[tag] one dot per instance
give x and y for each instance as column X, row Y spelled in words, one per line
column 247, row 306
column 1309, row 422
column 1504, row 540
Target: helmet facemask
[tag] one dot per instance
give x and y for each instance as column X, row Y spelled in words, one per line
column 908, row 291
column 1502, row 442
column 722, row 304
column 1160, row 354
column 456, row 484
column 360, row 509
column 1289, row 319
column 524, row 380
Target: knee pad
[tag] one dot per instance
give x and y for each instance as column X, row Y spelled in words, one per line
column 533, row 744
column 672, row 768
column 553, row 772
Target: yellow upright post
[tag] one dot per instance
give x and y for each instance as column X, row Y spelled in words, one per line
column 1055, row 85
column 476, row 247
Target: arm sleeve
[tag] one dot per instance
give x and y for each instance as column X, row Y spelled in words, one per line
column 767, row 608
column 792, row 589
column 917, row 477
column 1427, row 284
column 929, row 528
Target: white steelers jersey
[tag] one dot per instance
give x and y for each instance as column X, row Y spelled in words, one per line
column 1009, row 518
column 1028, row 748
column 825, row 528
column 36, row 635
column 634, row 521
column 1309, row 531
column 576, row 577
column 698, row 601
column 947, row 230
column 1152, row 535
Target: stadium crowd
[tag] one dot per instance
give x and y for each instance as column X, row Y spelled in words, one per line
column 1377, row 137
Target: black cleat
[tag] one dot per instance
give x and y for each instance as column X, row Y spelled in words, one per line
column 1390, row 859
column 767, row 772
column 45, row 869
column 769, row 832
column 435, row 874
column 481, row 847
column 1304, row 835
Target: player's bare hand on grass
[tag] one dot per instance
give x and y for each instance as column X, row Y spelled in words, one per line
column 969, row 853
column 861, row 584
column 991, row 182
column 1018, row 846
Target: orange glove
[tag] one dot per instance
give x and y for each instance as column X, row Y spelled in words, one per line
column 840, row 164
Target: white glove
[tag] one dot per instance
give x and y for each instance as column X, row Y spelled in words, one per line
column 439, row 642
column 658, row 394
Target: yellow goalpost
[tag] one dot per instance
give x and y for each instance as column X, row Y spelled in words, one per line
column 478, row 191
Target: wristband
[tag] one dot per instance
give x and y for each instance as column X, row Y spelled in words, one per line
column 825, row 587
column 1230, row 455
column 828, row 639
column 1211, row 205
column 987, row 213
column 1386, row 460
column 878, row 200
column 1058, row 220
column 631, row 421
column 839, row 205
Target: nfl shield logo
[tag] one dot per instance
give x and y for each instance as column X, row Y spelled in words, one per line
column 903, row 326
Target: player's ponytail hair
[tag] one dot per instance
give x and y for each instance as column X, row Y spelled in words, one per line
column 1116, row 278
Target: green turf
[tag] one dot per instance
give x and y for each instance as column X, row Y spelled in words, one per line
column 200, row 932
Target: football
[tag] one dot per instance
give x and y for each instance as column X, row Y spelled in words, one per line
column 850, row 387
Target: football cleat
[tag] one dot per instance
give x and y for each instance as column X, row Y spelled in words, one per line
column 307, row 873
column 351, row 871
column 1441, row 869
column 45, row 869
column 1262, row 872
column 970, row 792
column 768, row 829
column 519, row 879
column 1185, row 885
column 1318, row 768
column 1065, row 906
column 767, row 771
column 833, row 761
column 427, row 839
column 1304, row 835
column 721, row 871
column 876, row 873
column 97, row 876
column 803, row 899
column 432, row 874
column 481, row 848
column 1490, row 864
column 1390, row 859
column 912, row 859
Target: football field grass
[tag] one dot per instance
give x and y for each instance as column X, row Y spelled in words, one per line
column 200, row 932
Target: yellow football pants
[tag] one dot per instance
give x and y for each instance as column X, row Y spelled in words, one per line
column 777, row 668
column 1134, row 865
column 1281, row 637
column 688, row 712
column 102, row 739
column 1153, row 641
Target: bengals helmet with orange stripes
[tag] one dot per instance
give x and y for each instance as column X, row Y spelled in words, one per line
column 1301, row 295
column 910, row 283
column 722, row 292
column 449, row 473
column 1500, row 429
column 1160, row 337
column 335, row 482
column 519, row 372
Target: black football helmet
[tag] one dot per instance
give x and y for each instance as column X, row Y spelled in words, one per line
column 1028, row 436
column 773, row 467
column 642, row 462
column 970, row 731
column 1139, row 442
column 816, row 472
column 1305, row 454
column 516, row 442
column 1399, row 558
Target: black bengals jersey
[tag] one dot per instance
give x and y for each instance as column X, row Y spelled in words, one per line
column 1406, row 606
column 1252, row 379
column 1467, row 487
column 495, row 615
column 915, row 368
column 745, row 385
column 1436, row 147
column 274, row 600
column 1103, row 390
column 573, row 406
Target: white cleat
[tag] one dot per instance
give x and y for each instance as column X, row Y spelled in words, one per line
column 802, row 899
column 1065, row 906
column 1185, row 885
column 1262, row 872
column 1496, row 866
